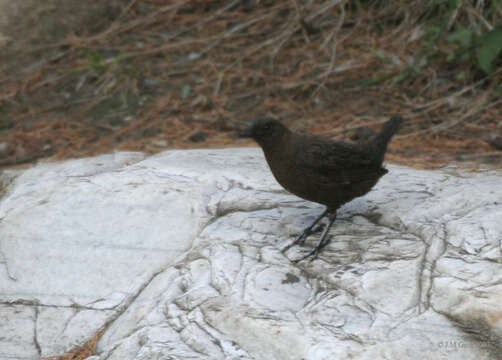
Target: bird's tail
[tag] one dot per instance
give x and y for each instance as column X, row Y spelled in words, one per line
column 382, row 139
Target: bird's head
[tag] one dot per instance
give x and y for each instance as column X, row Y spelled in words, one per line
column 265, row 131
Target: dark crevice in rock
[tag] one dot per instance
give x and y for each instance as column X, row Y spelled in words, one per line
column 36, row 303
column 35, row 331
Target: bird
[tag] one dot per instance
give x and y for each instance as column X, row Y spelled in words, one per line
column 322, row 170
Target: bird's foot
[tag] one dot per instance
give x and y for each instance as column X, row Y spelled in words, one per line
column 314, row 253
column 303, row 236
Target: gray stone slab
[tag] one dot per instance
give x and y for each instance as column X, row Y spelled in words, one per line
column 179, row 255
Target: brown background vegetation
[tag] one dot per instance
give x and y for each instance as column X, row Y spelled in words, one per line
column 80, row 78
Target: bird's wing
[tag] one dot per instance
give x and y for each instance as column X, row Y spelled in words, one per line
column 340, row 163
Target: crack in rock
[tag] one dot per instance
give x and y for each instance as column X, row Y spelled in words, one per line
column 35, row 332
column 3, row 260
column 435, row 247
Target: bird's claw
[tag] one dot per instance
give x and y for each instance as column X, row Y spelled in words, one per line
column 303, row 236
column 313, row 254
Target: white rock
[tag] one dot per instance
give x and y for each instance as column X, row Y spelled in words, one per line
column 179, row 253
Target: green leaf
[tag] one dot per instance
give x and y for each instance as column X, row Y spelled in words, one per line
column 465, row 57
column 462, row 75
column 498, row 90
column 489, row 48
column 462, row 36
column 185, row 91
column 433, row 31
column 400, row 77
column 451, row 56
column 375, row 81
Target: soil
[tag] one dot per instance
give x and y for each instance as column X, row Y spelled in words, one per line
column 81, row 78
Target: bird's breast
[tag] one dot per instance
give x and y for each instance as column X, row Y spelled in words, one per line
column 283, row 167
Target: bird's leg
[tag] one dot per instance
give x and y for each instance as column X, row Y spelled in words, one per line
column 306, row 233
column 323, row 241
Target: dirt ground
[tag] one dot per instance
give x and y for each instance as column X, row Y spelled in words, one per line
column 78, row 79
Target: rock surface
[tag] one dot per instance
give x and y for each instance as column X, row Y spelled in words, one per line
column 178, row 256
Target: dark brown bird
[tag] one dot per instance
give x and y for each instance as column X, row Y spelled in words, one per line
column 329, row 172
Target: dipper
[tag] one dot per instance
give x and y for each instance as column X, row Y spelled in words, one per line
column 329, row 172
